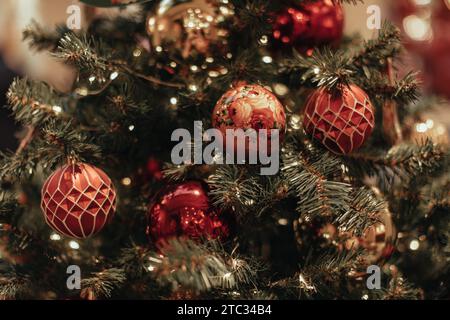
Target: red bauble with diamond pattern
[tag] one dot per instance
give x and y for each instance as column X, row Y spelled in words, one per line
column 341, row 120
column 78, row 200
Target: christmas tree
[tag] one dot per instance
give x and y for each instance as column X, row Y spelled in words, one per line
column 356, row 206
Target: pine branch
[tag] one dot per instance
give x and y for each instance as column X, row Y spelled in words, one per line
column 325, row 68
column 17, row 166
column 102, row 284
column 365, row 208
column 404, row 91
column 375, row 51
column 251, row 19
column 405, row 161
column 309, row 179
column 134, row 261
column 399, row 289
column 184, row 263
column 320, row 277
column 94, row 56
column 41, row 39
column 9, row 208
column 34, row 102
column 60, row 142
column 80, row 52
column 232, row 188
column 14, row 284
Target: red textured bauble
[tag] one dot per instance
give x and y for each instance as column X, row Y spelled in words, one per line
column 341, row 120
column 310, row 24
column 184, row 210
column 78, row 200
column 249, row 106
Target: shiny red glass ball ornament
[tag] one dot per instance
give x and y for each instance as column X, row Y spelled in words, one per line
column 184, row 210
column 307, row 25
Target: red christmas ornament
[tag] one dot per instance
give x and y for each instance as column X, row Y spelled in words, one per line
column 185, row 210
column 342, row 121
column 154, row 168
column 249, row 106
column 78, row 200
column 309, row 24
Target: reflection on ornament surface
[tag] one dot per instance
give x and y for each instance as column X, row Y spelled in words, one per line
column 188, row 24
column 309, row 24
column 185, row 210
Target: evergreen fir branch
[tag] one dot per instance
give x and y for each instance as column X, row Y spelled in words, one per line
column 232, row 189
column 320, row 277
column 376, row 51
column 246, row 66
column 95, row 56
column 309, row 179
column 252, row 17
column 407, row 89
column 365, row 208
column 405, row 161
column 404, row 91
column 294, row 287
column 176, row 173
column 182, row 262
column 133, row 260
column 80, row 52
column 17, row 166
column 325, row 68
column 399, row 289
column 14, row 284
column 9, row 208
column 60, row 142
column 102, row 284
column 330, row 270
column 183, row 172
column 41, row 39
column 34, row 102
column 123, row 99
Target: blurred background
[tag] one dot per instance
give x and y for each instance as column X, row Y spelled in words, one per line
column 425, row 25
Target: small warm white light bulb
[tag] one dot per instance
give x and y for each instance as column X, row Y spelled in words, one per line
column 126, row 181
column 55, row 237
column 74, row 245
column 414, row 245
column 57, row 109
column 114, row 75
column 267, row 59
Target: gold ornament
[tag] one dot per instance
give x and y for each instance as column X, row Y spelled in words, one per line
column 188, row 24
column 379, row 239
